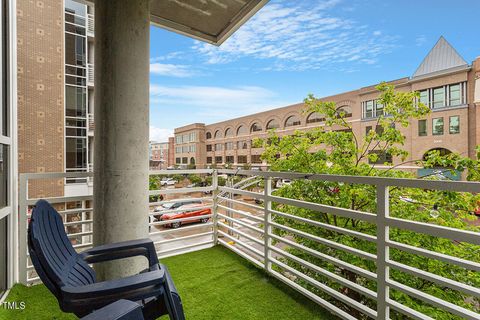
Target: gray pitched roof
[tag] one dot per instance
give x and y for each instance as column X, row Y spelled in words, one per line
column 442, row 57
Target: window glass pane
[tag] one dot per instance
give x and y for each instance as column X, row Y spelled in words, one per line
column 378, row 109
column 368, row 109
column 228, row 133
column 256, row 127
column 76, row 153
column 241, row 130
column 75, row 101
column 218, row 159
column 437, row 126
column 424, row 98
column 454, row 124
column 292, row 121
column 455, row 95
column 75, row 50
column 422, row 127
column 438, row 97
column 273, row 124
column 3, row 255
column 74, row 7
column 315, row 117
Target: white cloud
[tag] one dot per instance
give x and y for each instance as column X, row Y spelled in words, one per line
column 300, row 36
column 420, row 40
column 172, row 70
column 214, row 103
column 160, row 134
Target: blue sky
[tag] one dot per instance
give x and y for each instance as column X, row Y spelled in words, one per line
column 293, row 48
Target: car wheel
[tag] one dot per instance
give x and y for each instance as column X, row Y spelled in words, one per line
column 204, row 220
column 176, row 225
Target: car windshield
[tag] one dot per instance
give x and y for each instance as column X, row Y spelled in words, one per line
column 168, row 205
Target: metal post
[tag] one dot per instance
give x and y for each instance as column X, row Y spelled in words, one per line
column 383, row 271
column 214, row 206
column 267, row 219
column 22, row 229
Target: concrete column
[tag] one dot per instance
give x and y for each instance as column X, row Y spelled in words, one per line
column 121, row 128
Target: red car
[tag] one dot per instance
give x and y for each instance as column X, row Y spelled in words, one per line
column 189, row 210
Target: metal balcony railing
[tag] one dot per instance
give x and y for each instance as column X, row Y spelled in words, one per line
column 90, row 74
column 256, row 231
column 91, row 122
column 90, row 25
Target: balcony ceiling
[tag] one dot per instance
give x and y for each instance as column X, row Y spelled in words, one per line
column 212, row 21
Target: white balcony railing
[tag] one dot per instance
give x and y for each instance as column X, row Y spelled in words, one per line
column 255, row 231
column 90, row 25
column 90, row 74
column 91, row 123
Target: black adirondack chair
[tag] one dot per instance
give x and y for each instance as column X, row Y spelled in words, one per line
column 119, row 310
column 69, row 277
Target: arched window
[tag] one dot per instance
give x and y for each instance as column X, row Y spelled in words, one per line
column 273, row 124
column 344, row 111
column 293, row 121
column 228, row 133
column 241, row 130
column 255, row 127
column 209, row 135
column 315, row 117
column 443, row 152
column 217, row 134
column 192, row 160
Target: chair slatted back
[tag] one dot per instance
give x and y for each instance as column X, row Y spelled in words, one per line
column 52, row 254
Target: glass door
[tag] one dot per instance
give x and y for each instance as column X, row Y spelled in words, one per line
column 3, row 255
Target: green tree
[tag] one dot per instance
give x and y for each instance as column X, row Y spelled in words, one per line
column 336, row 149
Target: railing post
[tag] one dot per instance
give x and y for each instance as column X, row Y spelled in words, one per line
column 22, row 229
column 383, row 271
column 267, row 219
column 215, row 206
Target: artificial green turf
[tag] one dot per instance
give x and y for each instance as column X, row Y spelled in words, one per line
column 214, row 284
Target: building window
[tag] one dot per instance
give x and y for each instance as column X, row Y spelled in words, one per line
column 178, row 149
column 425, row 97
column 178, row 160
column 242, row 159
column 437, row 126
column 378, row 109
column 422, row 127
column 256, row 158
column 241, row 130
column 209, row 147
column 217, row 134
column 256, row 127
column 178, row 139
column 372, row 109
column 293, row 121
column 368, row 109
column 439, row 97
column 273, row 124
column 219, row 147
column 455, row 96
column 219, row 159
column 209, row 160
column 76, row 153
column 242, row 145
column 209, row 135
column 454, row 126
column 228, row 133
column 185, row 160
column 315, row 117
column 229, row 159
column 229, row 146
column 344, row 112
column 75, row 101
column 382, row 157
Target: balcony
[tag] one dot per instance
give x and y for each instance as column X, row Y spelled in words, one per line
column 90, row 25
column 254, row 255
column 91, row 124
column 90, row 74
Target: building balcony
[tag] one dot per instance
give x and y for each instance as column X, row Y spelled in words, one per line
column 90, row 74
column 90, row 25
column 261, row 253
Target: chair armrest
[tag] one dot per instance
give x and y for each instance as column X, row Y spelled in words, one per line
column 119, row 310
column 120, row 250
column 114, row 287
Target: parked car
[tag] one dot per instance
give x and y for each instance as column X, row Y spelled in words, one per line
column 168, row 182
column 189, row 210
column 172, row 206
column 283, row 182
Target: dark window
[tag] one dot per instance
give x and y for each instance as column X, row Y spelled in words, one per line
column 4, row 169
column 209, row 159
column 256, row 158
column 185, row 160
column 76, row 153
column 241, row 159
column 315, row 117
column 293, row 121
column 218, row 159
column 383, row 157
column 422, row 128
column 75, row 50
column 256, row 127
column 209, row 147
column 75, row 101
column 241, row 130
column 454, row 126
column 229, row 159
column 273, row 124
column 178, row 160
column 437, row 126
column 367, row 130
column 209, row 135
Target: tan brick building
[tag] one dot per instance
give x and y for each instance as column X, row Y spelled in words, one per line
column 55, row 92
column 446, row 82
